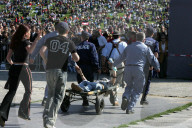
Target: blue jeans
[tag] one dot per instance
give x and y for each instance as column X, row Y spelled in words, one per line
column 56, row 82
column 90, row 86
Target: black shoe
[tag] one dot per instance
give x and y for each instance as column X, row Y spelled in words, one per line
column 129, row 111
column 144, row 102
column 85, row 103
column 44, row 101
column 124, row 103
column 23, row 116
column 2, row 122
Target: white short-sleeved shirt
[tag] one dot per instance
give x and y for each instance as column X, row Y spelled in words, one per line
column 114, row 54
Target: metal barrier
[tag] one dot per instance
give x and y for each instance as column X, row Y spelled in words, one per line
column 4, row 65
column 3, row 53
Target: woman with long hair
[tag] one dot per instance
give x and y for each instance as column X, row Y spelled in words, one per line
column 19, row 71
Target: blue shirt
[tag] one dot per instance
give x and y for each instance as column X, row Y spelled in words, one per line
column 153, row 44
column 41, row 42
column 137, row 54
column 88, row 54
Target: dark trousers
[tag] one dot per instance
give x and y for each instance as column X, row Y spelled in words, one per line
column 147, row 85
column 17, row 73
column 163, row 68
column 88, row 73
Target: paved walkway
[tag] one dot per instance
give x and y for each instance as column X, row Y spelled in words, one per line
column 164, row 94
column 182, row 119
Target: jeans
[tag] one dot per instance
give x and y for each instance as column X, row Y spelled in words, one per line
column 56, row 82
column 90, row 86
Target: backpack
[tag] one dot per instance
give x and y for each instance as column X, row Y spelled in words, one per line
column 114, row 46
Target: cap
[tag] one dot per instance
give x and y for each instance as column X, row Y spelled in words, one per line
column 116, row 33
column 85, row 35
column 62, row 26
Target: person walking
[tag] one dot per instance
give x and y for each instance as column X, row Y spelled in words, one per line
column 135, row 55
column 88, row 62
column 154, row 46
column 59, row 48
column 35, row 53
column 113, row 50
column 19, row 71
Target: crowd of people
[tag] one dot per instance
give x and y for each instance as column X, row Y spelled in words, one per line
column 125, row 36
column 104, row 16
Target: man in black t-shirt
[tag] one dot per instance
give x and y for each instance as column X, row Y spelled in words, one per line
column 59, row 48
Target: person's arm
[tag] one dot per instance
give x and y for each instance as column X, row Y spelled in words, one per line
column 37, row 49
column 114, row 76
column 121, row 58
column 42, row 54
column 75, row 56
column 156, row 51
column 153, row 60
column 9, row 55
column 79, row 71
column 30, row 48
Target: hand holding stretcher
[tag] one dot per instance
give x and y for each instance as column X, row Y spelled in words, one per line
column 95, row 91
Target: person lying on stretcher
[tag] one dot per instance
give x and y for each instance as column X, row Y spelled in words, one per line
column 87, row 86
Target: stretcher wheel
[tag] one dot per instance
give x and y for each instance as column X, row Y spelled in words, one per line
column 99, row 106
column 65, row 104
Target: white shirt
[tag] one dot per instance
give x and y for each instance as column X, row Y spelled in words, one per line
column 114, row 54
column 163, row 47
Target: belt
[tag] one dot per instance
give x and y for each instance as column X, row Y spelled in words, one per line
column 21, row 64
column 131, row 65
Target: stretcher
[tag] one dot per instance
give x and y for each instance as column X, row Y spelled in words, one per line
column 96, row 97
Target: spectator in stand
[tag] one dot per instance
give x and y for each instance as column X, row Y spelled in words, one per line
column 163, row 55
column 33, row 33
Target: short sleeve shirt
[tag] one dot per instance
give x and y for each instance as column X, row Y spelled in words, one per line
column 153, row 44
column 20, row 53
column 59, row 48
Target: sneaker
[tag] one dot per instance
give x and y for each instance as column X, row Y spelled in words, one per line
column 2, row 122
column 48, row 126
column 124, row 103
column 44, row 101
column 76, row 87
column 129, row 111
column 85, row 103
column 23, row 116
column 144, row 102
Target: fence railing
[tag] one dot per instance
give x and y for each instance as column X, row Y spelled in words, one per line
column 4, row 65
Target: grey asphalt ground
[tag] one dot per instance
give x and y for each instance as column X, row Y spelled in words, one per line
column 164, row 94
